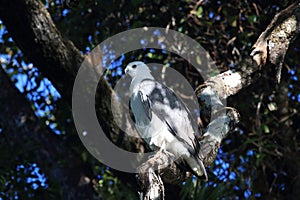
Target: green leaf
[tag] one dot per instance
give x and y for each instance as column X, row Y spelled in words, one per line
column 198, row 59
column 252, row 18
column 150, row 55
column 265, row 128
column 199, row 12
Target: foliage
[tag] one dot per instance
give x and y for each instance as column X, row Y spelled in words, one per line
column 259, row 160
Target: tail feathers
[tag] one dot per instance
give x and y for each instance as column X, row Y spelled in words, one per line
column 200, row 170
column 196, row 167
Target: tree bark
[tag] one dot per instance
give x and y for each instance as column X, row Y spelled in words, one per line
column 33, row 30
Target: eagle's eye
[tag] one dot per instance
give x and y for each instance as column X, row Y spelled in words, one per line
column 133, row 66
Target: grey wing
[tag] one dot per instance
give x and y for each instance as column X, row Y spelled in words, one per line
column 160, row 100
column 157, row 99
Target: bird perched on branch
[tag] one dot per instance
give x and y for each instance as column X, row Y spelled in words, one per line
column 162, row 119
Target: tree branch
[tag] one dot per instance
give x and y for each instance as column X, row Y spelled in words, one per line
column 33, row 30
column 283, row 29
column 273, row 43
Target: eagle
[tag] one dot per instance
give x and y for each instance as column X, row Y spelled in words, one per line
column 162, row 119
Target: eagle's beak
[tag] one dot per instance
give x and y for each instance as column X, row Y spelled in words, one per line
column 126, row 71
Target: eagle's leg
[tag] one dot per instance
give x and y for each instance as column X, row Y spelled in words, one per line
column 159, row 160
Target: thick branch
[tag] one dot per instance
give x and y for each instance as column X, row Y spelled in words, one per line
column 33, row 30
column 283, row 29
column 274, row 42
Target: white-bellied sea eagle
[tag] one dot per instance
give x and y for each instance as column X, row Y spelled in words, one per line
column 162, row 119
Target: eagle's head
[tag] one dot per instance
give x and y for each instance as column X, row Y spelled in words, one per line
column 137, row 68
